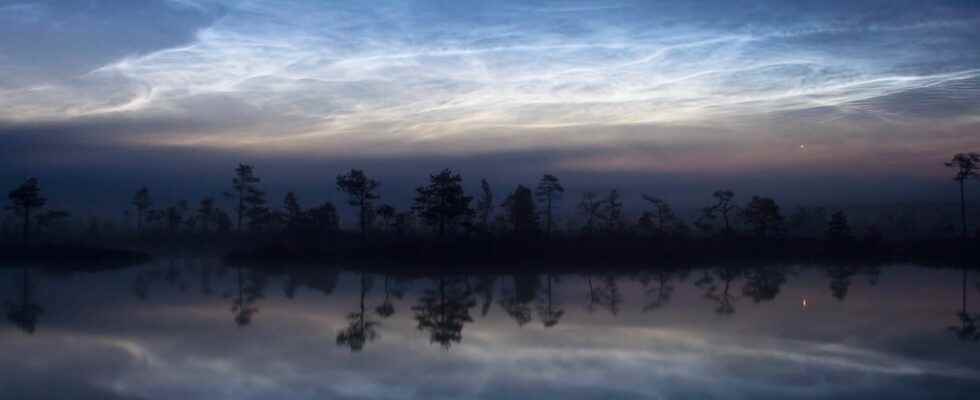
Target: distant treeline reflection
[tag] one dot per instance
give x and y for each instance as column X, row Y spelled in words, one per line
column 443, row 304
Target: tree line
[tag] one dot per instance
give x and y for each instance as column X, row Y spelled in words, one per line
column 442, row 208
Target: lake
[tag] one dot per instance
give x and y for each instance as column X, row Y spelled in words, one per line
column 188, row 328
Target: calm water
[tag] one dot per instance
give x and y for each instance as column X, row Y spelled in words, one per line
column 194, row 329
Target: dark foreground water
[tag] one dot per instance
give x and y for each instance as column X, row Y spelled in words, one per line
column 194, row 329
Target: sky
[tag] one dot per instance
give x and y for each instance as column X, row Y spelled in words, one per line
column 856, row 101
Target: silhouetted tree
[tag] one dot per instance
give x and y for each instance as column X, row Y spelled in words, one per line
column 223, row 220
column 174, row 216
column 613, row 212
column 762, row 215
column 404, row 223
column 662, row 220
column 25, row 312
column 142, row 201
column 49, row 219
column 324, row 218
column 591, row 207
column 154, row 217
column 520, row 212
column 293, row 213
column 442, row 311
column 262, row 218
column 724, row 206
column 966, row 165
column 838, row 230
column 207, row 214
column 549, row 193
column 387, row 214
column 24, row 199
column 360, row 329
column 809, row 221
column 442, row 204
column 484, row 205
column 361, row 193
column 249, row 198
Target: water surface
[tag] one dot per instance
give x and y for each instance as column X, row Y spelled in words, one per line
column 197, row 329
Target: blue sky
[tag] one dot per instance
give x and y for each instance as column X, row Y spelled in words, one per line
column 719, row 91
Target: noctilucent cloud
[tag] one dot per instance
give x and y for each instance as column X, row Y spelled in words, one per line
column 701, row 90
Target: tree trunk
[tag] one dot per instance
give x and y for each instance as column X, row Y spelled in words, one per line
column 963, row 206
column 241, row 209
column 964, row 290
column 27, row 223
column 363, row 218
column 548, row 224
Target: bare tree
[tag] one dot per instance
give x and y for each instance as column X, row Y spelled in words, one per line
column 662, row 219
column 142, row 201
column 966, row 165
column 725, row 206
column 549, row 193
column 591, row 207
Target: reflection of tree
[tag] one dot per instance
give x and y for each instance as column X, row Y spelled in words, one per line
column 443, row 310
column 484, row 287
column 289, row 286
column 717, row 285
column 967, row 330
column 762, row 283
column 657, row 287
column 387, row 308
column 250, row 288
column 323, row 280
column 207, row 275
column 604, row 293
column 517, row 302
column 141, row 285
column 25, row 313
column 840, row 279
column 174, row 277
column 549, row 312
column 360, row 329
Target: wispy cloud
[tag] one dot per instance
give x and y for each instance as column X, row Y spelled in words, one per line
column 406, row 73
